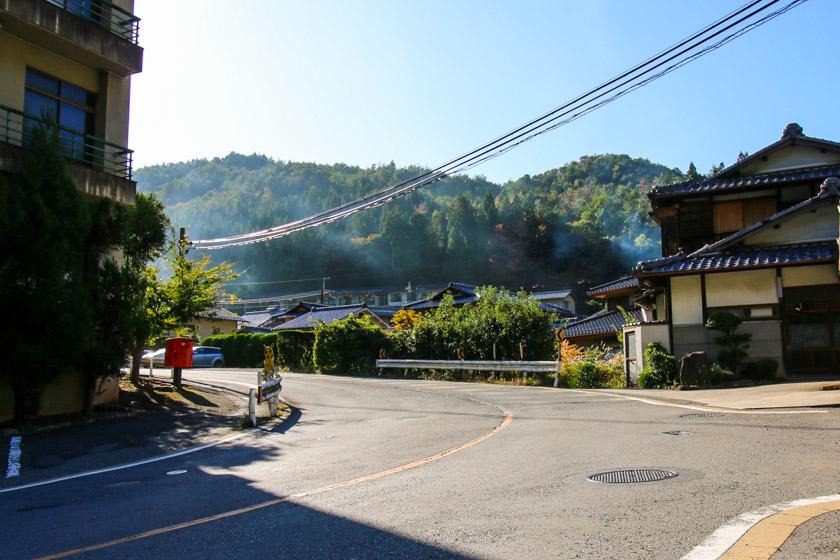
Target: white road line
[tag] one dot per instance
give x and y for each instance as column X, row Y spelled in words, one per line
column 227, row 439
column 203, row 380
column 716, row 544
column 14, row 457
column 697, row 407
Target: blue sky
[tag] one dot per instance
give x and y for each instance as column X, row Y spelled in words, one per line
column 371, row 81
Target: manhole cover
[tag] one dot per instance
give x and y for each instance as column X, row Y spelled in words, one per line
column 702, row 415
column 627, row 476
column 675, row 433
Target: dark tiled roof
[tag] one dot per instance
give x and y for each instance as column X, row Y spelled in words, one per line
column 614, row 285
column 552, row 294
column 719, row 184
column 601, row 323
column 324, row 315
column 219, row 313
column 255, row 318
column 432, row 303
column 559, row 310
column 739, row 258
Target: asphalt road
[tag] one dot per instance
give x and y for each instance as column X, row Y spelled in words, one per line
column 520, row 492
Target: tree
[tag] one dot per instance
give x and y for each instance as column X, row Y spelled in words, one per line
column 692, row 173
column 144, row 239
column 735, row 344
column 194, row 285
column 44, row 221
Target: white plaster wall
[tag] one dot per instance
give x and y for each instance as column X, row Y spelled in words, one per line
column 819, row 223
column 809, row 275
column 789, row 158
column 686, row 300
column 749, row 287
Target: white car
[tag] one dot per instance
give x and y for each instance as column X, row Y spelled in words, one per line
column 154, row 357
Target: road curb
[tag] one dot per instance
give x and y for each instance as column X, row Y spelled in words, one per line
column 759, row 534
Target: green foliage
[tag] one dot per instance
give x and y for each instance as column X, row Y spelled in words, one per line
column 74, row 306
column 716, row 374
column 294, row 350
column 735, row 344
column 348, row 346
column 498, row 317
column 242, row 350
column 583, row 222
column 660, row 369
column 762, row 369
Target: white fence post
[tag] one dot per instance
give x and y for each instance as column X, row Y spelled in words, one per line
column 252, row 406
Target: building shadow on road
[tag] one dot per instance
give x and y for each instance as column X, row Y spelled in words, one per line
column 203, row 505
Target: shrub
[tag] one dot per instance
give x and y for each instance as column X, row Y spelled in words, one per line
column 762, row 369
column 592, row 368
column 716, row 374
column 293, row 350
column 348, row 346
column 242, row 350
column 660, row 368
column 734, row 344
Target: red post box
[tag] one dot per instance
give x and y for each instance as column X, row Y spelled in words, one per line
column 179, row 353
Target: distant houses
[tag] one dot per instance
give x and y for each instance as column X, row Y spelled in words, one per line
column 758, row 240
column 307, row 315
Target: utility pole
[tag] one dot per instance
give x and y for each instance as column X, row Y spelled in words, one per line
column 182, row 250
column 323, row 287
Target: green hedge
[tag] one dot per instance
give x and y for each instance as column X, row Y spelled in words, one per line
column 293, row 349
column 348, row 346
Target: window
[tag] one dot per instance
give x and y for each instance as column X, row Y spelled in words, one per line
column 70, row 106
column 630, row 345
column 735, row 215
column 82, row 8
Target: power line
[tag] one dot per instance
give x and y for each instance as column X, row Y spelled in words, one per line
column 638, row 76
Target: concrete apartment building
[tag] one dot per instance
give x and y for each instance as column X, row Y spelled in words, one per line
column 72, row 60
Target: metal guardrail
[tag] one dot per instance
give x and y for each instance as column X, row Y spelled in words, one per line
column 106, row 15
column 474, row 365
column 16, row 127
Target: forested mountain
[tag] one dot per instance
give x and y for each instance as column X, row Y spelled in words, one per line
column 579, row 224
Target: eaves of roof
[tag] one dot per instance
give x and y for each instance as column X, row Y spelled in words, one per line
column 619, row 284
column 742, row 258
column 602, row 323
column 717, row 184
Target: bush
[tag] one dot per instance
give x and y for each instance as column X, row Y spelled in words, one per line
column 660, row 368
column 242, row 350
column 293, row 350
column 591, row 368
column 762, row 369
column 716, row 374
column 348, row 346
column 735, row 344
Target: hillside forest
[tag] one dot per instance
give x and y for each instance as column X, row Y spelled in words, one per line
column 570, row 227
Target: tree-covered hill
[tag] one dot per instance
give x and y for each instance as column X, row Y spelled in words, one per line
column 573, row 226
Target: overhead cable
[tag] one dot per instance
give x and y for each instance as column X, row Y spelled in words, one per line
column 698, row 44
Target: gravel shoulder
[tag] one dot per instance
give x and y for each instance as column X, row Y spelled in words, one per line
column 817, row 538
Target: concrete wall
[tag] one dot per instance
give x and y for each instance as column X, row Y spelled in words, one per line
column 204, row 327
column 809, row 276
column 645, row 333
column 809, row 225
column 791, row 157
column 16, row 54
column 766, row 341
column 733, row 289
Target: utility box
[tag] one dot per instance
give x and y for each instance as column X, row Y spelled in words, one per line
column 179, row 352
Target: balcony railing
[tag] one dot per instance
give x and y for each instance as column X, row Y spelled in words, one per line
column 17, row 128
column 112, row 18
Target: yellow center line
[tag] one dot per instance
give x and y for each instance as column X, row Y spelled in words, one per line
column 766, row 537
column 268, row 503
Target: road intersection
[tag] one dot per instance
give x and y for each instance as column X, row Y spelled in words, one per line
column 371, row 468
